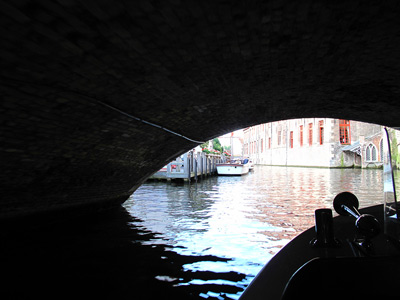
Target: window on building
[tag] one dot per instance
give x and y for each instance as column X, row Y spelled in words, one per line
column 371, row 153
column 381, row 149
column 344, row 131
column 279, row 138
column 310, row 132
column 262, row 145
column 269, row 143
column 321, row 132
column 284, row 137
column 291, row 139
column 301, row 135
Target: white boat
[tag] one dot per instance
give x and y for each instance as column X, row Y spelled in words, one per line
column 251, row 165
column 235, row 169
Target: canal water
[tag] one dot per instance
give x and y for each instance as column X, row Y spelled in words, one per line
column 241, row 222
column 206, row 240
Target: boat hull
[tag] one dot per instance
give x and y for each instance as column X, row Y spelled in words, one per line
column 232, row 169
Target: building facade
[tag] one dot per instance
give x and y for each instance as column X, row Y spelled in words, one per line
column 314, row 142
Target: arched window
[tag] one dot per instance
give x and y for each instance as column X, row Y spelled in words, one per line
column 371, row 153
column 381, row 149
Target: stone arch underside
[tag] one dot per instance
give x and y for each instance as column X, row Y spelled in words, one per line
column 77, row 77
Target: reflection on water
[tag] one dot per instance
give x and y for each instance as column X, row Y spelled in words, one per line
column 244, row 219
column 205, row 240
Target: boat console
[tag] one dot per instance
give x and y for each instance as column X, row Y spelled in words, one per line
column 355, row 255
column 355, row 264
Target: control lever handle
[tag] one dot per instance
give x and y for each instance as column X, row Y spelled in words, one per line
column 346, row 204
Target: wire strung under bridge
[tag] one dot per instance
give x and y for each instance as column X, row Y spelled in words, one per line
column 94, row 100
column 148, row 123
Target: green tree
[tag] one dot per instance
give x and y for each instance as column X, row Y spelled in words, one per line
column 205, row 145
column 394, row 148
column 217, row 145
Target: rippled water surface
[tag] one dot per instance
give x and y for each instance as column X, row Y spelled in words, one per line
column 199, row 241
column 244, row 220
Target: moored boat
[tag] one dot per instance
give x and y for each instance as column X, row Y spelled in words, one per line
column 251, row 165
column 232, row 169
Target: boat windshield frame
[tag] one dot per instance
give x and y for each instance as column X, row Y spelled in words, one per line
column 391, row 207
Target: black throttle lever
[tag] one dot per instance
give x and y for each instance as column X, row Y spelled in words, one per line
column 367, row 226
column 346, row 204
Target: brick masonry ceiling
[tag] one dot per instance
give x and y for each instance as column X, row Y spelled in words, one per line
column 78, row 76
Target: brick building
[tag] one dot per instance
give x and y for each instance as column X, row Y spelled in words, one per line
column 316, row 142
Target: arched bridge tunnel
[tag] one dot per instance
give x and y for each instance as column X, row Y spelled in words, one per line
column 96, row 96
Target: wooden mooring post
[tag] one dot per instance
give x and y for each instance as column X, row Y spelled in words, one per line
column 190, row 166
